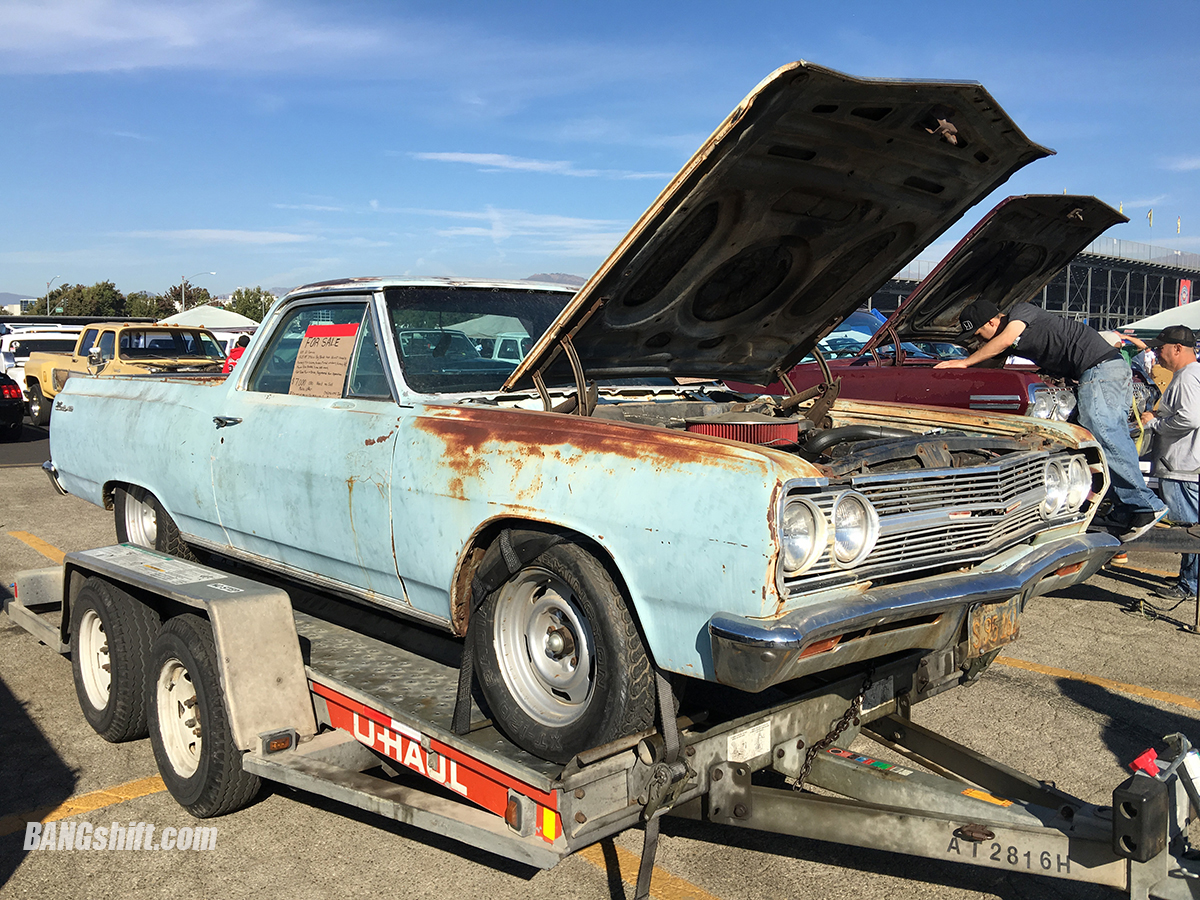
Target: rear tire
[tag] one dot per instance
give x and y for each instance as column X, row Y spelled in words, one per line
column 189, row 726
column 39, row 409
column 561, row 662
column 111, row 636
column 141, row 520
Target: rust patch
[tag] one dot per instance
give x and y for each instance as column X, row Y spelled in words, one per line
column 469, row 433
column 370, row 442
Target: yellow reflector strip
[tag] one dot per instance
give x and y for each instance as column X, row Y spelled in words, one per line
column 549, row 824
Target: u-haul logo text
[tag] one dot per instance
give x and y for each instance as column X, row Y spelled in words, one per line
column 408, row 752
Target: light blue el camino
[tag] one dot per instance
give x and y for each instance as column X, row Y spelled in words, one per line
column 605, row 506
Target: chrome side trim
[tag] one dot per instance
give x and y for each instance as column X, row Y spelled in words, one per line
column 403, row 607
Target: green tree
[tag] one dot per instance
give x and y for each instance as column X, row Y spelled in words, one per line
column 252, row 303
column 195, row 296
column 101, row 299
column 144, row 304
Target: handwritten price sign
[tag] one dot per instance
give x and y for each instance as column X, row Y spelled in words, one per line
column 323, row 360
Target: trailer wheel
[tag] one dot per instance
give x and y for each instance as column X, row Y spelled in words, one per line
column 111, row 635
column 39, row 410
column 189, row 727
column 562, row 664
column 141, row 520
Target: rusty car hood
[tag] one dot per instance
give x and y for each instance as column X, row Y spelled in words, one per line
column 1008, row 257
column 813, row 192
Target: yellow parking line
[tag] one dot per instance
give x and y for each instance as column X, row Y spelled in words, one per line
column 663, row 885
column 1136, row 690
column 84, row 803
column 47, row 550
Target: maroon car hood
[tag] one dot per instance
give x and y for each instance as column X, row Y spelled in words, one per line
column 803, row 202
column 1007, row 258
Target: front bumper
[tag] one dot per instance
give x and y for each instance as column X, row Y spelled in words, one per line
column 52, row 473
column 753, row 654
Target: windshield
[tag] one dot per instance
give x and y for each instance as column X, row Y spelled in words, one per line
column 461, row 340
column 849, row 338
column 156, row 343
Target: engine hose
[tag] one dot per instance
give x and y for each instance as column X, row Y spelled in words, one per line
column 823, row 440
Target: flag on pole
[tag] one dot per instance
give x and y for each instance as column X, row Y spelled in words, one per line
column 1150, row 218
column 1178, row 223
column 1121, row 207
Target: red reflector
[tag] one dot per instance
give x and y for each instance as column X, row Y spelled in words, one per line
column 512, row 814
column 820, row 646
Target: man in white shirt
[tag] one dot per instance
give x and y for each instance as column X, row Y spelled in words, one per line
column 1176, row 429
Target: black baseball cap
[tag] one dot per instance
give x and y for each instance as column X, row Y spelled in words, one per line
column 1174, row 334
column 977, row 313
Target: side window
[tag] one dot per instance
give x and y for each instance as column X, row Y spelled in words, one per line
column 367, row 378
column 310, row 351
column 508, row 349
column 89, row 338
column 107, row 341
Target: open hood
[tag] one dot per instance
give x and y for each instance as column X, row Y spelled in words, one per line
column 814, row 191
column 1007, row 258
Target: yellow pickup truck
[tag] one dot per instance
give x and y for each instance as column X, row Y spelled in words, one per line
column 118, row 348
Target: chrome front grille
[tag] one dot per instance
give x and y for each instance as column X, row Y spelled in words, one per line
column 941, row 517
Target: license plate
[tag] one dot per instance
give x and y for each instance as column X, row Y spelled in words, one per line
column 994, row 625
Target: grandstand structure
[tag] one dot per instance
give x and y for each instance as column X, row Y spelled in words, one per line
column 1108, row 285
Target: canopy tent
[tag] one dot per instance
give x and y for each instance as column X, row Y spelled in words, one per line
column 214, row 318
column 488, row 326
column 1188, row 314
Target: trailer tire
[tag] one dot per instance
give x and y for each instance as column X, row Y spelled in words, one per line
column 141, row 520
column 110, row 628
column 189, row 726
column 39, row 410
column 561, row 662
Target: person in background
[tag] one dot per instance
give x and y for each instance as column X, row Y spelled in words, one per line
column 236, row 353
column 1176, row 429
column 1067, row 348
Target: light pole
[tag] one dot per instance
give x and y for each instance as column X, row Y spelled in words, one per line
column 48, row 283
column 183, row 287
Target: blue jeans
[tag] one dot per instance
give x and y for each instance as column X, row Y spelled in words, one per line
column 1105, row 398
column 1183, row 499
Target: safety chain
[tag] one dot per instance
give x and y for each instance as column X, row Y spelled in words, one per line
column 850, row 715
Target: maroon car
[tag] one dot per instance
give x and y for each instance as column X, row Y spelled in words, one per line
column 1015, row 250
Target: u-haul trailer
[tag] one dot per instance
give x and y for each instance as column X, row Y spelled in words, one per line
column 237, row 686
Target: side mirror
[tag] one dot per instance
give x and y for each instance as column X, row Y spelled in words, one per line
column 94, row 357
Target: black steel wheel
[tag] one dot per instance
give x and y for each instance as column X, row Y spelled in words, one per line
column 189, row 726
column 561, row 662
column 111, row 635
column 39, row 409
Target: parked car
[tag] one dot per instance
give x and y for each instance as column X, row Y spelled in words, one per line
column 19, row 343
column 12, row 409
column 1008, row 257
column 581, row 520
column 118, row 348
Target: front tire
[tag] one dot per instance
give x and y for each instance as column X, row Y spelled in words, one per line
column 111, row 636
column 39, row 409
column 189, row 726
column 141, row 520
column 561, row 662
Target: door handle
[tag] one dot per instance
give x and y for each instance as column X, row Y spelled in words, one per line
column 225, row 421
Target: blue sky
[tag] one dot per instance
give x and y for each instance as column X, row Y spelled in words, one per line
column 281, row 143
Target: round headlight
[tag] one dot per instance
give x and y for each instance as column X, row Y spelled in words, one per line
column 1056, row 489
column 855, row 528
column 1043, row 403
column 1064, row 405
column 801, row 535
column 1079, row 483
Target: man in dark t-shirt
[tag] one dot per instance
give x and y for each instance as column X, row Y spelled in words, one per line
column 1067, row 348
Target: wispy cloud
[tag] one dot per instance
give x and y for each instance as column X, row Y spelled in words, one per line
column 131, row 135
column 1187, row 164
column 495, row 162
column 536, row 232
column 224, row 236
column 1145, row 203
column 308, row 207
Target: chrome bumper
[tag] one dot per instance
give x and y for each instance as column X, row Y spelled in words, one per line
column 52, row 474
column 753, row 654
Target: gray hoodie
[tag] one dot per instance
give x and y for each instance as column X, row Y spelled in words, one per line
column 1177, row 427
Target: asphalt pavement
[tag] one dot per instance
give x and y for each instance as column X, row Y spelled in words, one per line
column 1091, row 682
